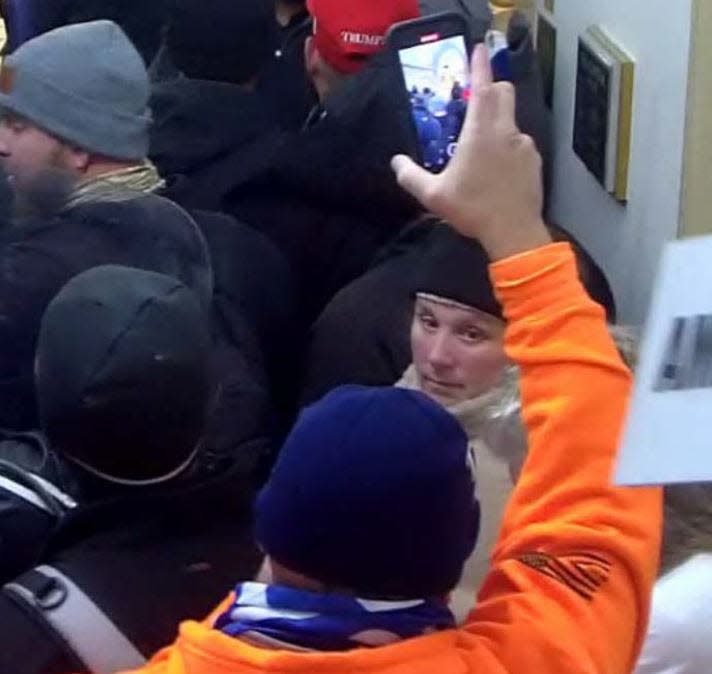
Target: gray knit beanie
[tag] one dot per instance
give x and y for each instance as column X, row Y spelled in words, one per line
column 84, row 83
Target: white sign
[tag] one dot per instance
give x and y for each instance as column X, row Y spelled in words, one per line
column 668, row 434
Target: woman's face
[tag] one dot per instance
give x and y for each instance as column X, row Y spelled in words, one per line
column 458, row 352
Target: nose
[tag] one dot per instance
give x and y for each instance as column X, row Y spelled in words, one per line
column 440, row 355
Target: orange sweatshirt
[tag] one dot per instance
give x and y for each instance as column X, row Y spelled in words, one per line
column 576, row 559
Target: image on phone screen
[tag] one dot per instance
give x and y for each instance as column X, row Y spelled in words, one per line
column 437, row 78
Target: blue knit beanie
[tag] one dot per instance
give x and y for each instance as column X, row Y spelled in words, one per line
column 373, row 492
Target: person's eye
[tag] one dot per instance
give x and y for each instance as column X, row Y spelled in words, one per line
column 13, row 124
column 428, row 321
column 473, row 335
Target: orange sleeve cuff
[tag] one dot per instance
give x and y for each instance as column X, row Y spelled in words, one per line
column 537, row 282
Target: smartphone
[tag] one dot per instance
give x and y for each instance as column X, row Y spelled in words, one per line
column 432, row 56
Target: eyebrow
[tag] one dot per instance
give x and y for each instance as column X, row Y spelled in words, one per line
column 469, row 324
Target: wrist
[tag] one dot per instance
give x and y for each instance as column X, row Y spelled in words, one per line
column 503, row 242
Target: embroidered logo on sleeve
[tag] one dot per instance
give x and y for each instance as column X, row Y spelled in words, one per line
column 584, row 573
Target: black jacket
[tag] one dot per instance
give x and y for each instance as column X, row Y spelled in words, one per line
column 250, row 306
column 206, row 136
column 362, row 336
column 253, row 315
column 42, row 493
column 38, row 257
column 326, row 197
column 284, row 83
column 148, row 560
column 142, row 21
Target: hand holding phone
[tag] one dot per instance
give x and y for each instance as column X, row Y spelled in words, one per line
column 433, row 60
column 492, row 189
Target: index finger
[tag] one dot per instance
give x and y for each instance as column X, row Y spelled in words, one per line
column 482, row 107
column 481, row 68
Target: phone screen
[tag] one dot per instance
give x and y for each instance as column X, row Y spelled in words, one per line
column 437, row 78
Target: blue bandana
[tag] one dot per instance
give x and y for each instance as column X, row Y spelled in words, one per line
column 282, row 617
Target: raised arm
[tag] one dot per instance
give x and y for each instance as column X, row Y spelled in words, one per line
column 573, row 570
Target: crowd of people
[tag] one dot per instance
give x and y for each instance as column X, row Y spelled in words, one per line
column 438, row 124
column 258, row 365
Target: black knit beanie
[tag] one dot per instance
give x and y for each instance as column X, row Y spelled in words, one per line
column 456, row 268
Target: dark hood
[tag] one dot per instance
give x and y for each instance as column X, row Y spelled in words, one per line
column 199, row 122
column 123, row 372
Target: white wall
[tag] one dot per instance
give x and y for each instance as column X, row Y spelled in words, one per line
column 627, row 240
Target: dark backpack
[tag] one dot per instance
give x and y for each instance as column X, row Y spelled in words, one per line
column 121, row 575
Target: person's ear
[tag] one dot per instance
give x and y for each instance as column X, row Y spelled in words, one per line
column 311, row 58
column 76, row 159
column 265, row 574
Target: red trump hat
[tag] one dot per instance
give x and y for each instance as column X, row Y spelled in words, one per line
column 347, row 32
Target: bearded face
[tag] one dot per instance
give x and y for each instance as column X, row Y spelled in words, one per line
column 36, row 166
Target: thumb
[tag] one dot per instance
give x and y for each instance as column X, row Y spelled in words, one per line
column 412, row 178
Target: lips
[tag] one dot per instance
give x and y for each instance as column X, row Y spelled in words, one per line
column 442, row 384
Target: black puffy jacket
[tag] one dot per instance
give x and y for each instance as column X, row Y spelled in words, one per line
column 39, row 256
column 147, row 558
